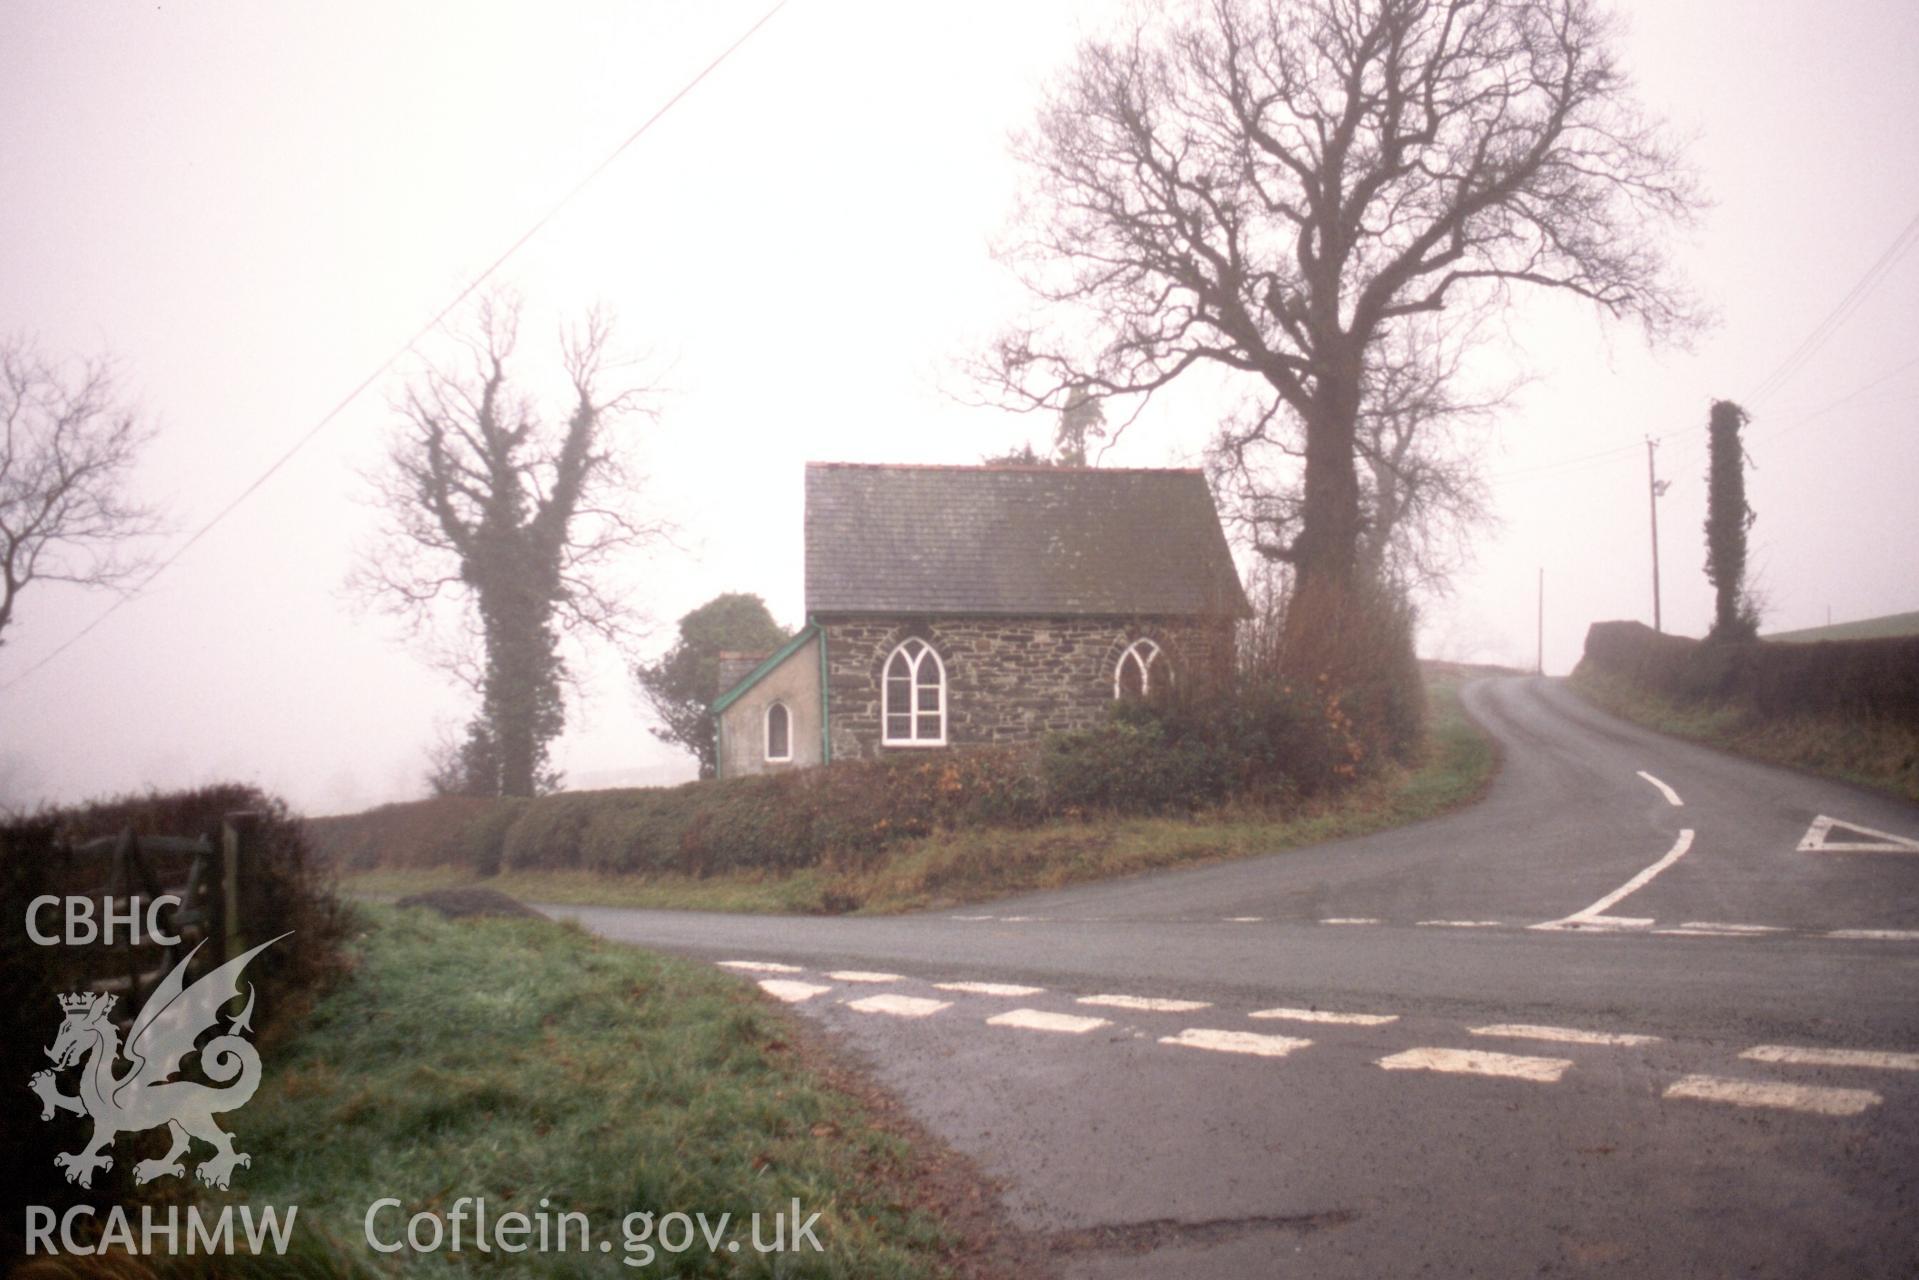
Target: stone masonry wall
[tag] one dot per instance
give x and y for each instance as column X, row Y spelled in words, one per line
column 1007, row 679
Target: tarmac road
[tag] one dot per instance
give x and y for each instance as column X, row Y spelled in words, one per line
column 1646, row 1010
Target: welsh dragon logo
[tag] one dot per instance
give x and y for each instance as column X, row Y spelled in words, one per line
column 145, row 1095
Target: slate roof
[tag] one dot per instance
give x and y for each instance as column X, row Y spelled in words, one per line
column 1009, row 540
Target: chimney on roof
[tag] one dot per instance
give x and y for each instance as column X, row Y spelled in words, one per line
column 735, row 666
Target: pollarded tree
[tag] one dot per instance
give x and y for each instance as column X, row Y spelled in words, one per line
column 516, row 518
column 1277, row 186
column 68, row 445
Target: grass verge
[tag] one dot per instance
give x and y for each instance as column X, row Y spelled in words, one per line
column 530, row 1064
column 1883, row 756
column 954, row 868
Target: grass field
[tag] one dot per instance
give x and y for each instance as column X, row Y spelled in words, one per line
column 1884, row 757
column 528, row 1064
column 959, row 867
column 1896, row 624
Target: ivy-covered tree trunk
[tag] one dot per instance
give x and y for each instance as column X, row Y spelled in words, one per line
column 489, row 503
column 1728, row 517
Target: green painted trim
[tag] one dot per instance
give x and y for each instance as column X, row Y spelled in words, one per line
column 826, row 736
column 719, row 749
column 759, row 673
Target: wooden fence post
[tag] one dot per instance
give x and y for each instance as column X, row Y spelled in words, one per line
column 239, row 881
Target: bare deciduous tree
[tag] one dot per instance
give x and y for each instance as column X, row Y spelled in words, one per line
column 1278, row 186
column 68, row 450
column 1421, row 494
column 516, row 519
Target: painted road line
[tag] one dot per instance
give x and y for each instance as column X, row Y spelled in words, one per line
column 1819, row 839
column 1787, row 1097
column 791, row 992
column 1569, row 1035
column 1244, row 919
column 1597, row 911
column 1326, row 1015
column 1023, row 919
column 863, row 975
column 1462, row 924
column 899, row 1006
column 1350, row 920
column 969, row 917
column 989, row 988
column 1711, row 931
column 1040, row 1020
column 760, row 966
column 1798, row 1057
column 1236, row 1042
column 1732, row 928
column 1876, row 935
column 1598, row 924
column 1146, row 1004
column 1672, row 797
column 1476, row 1062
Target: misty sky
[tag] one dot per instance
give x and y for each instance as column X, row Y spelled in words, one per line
column 253, row 206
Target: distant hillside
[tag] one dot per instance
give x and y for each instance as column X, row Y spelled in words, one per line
column 1897, row 624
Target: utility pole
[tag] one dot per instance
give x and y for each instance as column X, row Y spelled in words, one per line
column 1655, row 486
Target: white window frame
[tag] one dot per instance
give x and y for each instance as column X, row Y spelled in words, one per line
column 915, row 663
column 766, row 733
column 1153, row 652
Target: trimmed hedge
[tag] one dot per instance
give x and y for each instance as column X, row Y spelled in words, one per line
column 1270, row 744
column 1867, row 678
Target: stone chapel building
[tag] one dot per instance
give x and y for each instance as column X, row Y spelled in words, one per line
column 949, row 606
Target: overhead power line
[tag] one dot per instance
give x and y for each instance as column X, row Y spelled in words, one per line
column 1874, row 276
column 386, row 365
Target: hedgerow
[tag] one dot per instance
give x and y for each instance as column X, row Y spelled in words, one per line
column 1265, row 742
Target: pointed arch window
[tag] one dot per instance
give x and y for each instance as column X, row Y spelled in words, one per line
column 913, row 696
column 779, row 733
column 1142, row 666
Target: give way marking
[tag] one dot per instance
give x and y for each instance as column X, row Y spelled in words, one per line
column 1820, row 838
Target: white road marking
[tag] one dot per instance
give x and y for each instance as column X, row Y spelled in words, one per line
column 863, row 975
column 1040, row 1020
column 1023, row 919
column 1697, row 929
column 1598, row 924
column 989, row 988
column 1462, row 924
column 1798, row 1057
column 899, row 1006
column 1146, row 1004
column 1818, row 839
column 1789, row 1097
column 1876, row 935
column 1350, row 920
column 1325, row 1015
column 1236, row 1042
column 1244, row 919
column 969, row 917
column 1570, row 1035
column 791, row 992
column 760, row 966
column 1597, row 911
column 1479, row 1063
column 1672, row 797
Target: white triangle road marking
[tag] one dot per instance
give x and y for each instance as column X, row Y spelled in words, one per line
column 1819, row 839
